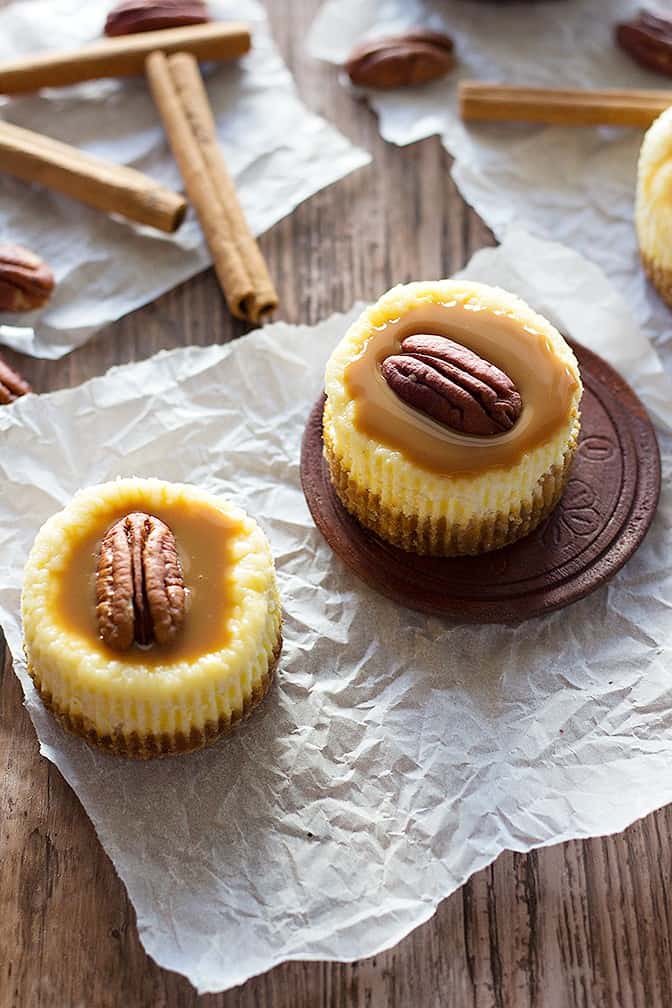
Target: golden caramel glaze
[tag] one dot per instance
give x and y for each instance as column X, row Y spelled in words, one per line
column 547, row 383
column 204, row 536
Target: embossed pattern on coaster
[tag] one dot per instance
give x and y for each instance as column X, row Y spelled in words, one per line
column 607, row 507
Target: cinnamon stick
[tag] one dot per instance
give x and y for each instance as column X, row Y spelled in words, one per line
column 561, row 106
column 123, row 56
column 114, row 188
column 252, row 290
column 180, row 97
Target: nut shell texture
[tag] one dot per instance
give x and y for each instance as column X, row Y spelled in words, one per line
column 134, row 16
column 395, row 61
column 26, row 282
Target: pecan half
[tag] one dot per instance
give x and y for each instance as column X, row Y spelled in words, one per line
column 648, row 39
column 451, row 384
column 140, row 594
column 132, row 16
column 416, row 57
column 26, row 282
column 12, row 385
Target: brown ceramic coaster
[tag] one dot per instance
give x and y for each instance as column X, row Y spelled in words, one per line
column 607, row 507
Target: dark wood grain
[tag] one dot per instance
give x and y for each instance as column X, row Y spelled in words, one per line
column 580, row 925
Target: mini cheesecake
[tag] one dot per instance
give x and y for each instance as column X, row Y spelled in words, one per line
column 653, row 204
column 151, row 616
column 451, row 417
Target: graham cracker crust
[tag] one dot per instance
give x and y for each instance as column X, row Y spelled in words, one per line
column 153, row 746
column 425, row 536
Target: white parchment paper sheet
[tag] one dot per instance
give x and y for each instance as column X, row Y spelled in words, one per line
column 399, row 752
column 278, row 152
column 576, row 185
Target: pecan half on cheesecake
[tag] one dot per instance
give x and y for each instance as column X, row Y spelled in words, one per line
column 151, row 616
column 452, row 385
column 451, row 417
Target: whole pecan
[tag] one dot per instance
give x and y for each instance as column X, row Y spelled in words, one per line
column 140, row 594
column 132, row 16
column 451, row 384
column 26, row 282
column 648, row 39
column 12, row 385
column 416, row 57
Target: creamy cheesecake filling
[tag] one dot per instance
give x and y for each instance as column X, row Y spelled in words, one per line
column 429, row 488
column 164, row 698
column 546, row 382
column 653, row 204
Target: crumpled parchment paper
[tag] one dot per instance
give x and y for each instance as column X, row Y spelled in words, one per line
column 278, row 152
column 576, row 185
column 399, row 752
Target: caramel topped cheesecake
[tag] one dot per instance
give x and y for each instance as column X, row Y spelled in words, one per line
column 151, row 616
column 451, row 417
column 653, row 206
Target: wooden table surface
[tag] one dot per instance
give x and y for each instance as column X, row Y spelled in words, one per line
column 580, row 924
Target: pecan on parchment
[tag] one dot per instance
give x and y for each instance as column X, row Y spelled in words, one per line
column 140, row 594
column 648, row 39
column 451, row 384
column 12, row 385
column 416, row 57
column 26, row 282
column 133, row 16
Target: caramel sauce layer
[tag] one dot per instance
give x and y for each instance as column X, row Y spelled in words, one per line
column 545, row 383
column 204, row 537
